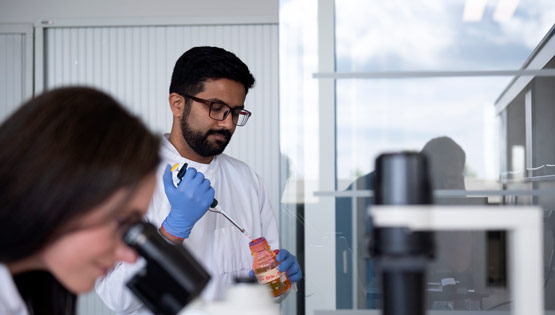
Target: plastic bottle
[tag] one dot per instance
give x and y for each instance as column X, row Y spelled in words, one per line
column 265, row 267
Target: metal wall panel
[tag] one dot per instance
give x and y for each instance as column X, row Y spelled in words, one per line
column 12, row 72
column 134, row 64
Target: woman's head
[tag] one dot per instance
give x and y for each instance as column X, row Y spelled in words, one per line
column 73, row 164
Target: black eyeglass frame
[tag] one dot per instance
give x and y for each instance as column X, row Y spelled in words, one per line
column 235, row 112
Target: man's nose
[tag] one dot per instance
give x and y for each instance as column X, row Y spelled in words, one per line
column 227, row 122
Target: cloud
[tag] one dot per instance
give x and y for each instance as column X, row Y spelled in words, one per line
column 398, row 29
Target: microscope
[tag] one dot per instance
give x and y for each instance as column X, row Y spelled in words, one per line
column 402, row 254
column 402, row 242
column 171, row 278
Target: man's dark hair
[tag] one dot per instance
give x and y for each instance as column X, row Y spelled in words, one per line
column 199, row 64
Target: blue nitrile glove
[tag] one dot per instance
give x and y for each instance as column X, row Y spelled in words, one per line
column 189, row 201
column 287, row 263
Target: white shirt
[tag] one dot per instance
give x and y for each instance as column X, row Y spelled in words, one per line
column 218, row 245
column 11, row 302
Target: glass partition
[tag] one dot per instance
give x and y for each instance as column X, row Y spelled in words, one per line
column 468, row 83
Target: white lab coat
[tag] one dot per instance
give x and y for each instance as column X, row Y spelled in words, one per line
column 219, row 246
column 10, row 301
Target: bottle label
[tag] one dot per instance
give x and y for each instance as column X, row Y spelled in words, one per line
column 268, row 276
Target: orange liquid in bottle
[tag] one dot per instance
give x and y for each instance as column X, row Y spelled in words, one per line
column 265, row 267
column 279, row 285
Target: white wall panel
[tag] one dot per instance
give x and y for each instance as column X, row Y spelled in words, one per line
column 15, row 67
column 135, row 63
column 28, row 11
column 11, row 83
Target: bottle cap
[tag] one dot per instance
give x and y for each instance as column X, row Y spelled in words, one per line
column 257, row 241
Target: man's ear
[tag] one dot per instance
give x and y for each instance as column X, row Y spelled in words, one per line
column 177, row 104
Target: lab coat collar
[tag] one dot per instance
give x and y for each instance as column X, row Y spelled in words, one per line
column 168, row 151
column 10, row 300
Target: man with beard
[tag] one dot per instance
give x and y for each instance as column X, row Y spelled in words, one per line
column 207, row 95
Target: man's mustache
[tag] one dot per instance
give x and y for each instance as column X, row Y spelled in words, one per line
column 223, row 132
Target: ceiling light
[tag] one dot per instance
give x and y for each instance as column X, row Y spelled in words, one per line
column 474, row 10
column 505, row 10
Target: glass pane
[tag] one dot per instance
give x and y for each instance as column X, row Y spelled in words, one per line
column 403, row 35
column 376, row 116
column 481, row 133
column 493, row 132
column 453, row 121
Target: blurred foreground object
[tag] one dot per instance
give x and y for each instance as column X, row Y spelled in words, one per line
column 524, row 226
column 402, row 254
column 244, row 298
column 171, row 278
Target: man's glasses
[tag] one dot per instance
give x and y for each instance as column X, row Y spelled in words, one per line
column 220, row 110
